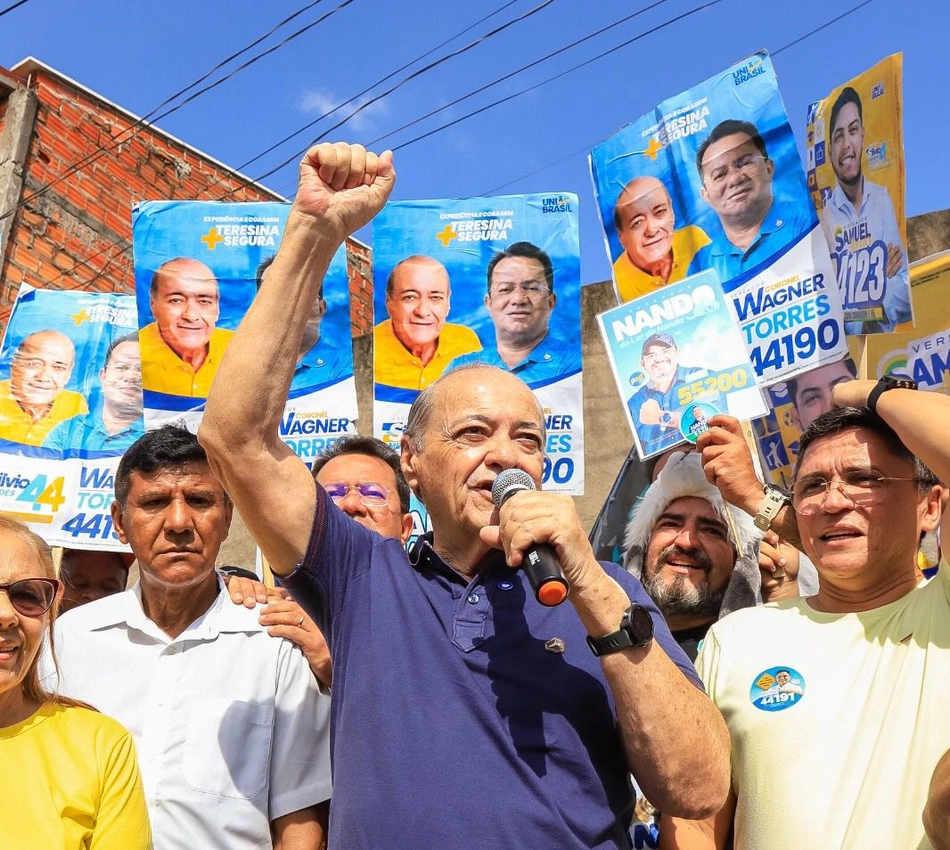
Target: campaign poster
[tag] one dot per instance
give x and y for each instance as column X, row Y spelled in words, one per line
column 793, row 405
column 198, row 266
column 678, row 359
column 712, row 179
column 70, row 405
column 855, row 157
column 488, row 280
column 923, row 353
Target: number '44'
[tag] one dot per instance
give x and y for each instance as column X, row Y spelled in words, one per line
column 39, row 493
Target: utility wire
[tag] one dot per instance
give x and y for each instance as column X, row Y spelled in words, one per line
column 520, row 70
column 12, row 6
column 130, row 131
column 782, row 49
column 369, row 88
column 557, row 76
column 297, row 154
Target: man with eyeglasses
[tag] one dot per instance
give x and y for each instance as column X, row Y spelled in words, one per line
column 736, row 174
column 412, row 348
column 520, row 300
column 871, row 259
column 869, row 654
column 34, row 399
column 117, row 422
column 655, row 405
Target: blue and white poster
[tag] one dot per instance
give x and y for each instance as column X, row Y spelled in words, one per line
column 712, row 179
column 70, row 405
column 490, row 280
column 678, row 360
column 198, row 266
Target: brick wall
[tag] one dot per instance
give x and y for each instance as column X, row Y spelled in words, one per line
column 77, row 233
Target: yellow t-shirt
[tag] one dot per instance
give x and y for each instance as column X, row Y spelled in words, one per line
column 633, row 282
column 19, row 427
column 840, row 756
column 69, row 781
column 163, row 371
column 396, row 367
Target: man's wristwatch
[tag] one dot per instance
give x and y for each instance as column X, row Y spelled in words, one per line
column 885, row 383
column 636, row 629
column 775, row 499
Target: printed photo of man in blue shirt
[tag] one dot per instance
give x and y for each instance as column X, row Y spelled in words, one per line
column 520, row 300
column 655, row 406
column 736, row 173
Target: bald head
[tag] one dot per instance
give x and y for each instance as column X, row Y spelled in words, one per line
column 184, row 300
column 41, row 368
column 644, row 220
column 417, row 300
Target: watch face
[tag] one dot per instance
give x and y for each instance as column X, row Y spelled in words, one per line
column 641, row 624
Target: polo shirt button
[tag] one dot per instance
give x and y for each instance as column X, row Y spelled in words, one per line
column 473, row 599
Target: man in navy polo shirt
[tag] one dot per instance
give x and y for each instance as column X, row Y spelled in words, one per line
column 465, row 714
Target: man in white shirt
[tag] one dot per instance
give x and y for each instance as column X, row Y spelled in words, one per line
column 231, row 731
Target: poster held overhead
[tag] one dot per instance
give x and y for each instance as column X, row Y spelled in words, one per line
column 711, row 179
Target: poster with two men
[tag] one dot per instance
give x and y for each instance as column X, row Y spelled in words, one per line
column 482, row 280
column 70, row 405
column 198, row 266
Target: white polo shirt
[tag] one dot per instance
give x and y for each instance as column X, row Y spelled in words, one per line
column 230, row 728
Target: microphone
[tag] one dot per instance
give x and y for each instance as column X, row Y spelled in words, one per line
column 540, row 561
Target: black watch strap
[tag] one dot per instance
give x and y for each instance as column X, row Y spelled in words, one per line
column 885, row 383
column 636, row 629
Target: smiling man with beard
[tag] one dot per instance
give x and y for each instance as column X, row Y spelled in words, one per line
column 695, row 555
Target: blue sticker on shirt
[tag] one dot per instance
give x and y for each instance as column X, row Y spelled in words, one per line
column 777, row 688
column 505, row 585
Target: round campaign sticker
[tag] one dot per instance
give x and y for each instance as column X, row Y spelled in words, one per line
column 695, row 419
column 777, row 688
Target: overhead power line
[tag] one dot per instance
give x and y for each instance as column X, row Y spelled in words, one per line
column 481, row 39
column 587, row 148
column 12, row 6
column 151, row 116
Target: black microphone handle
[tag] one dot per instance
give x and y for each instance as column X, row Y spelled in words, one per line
column 541, row 564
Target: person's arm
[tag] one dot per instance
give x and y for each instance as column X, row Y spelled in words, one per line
column 674, row 738
column 709, row 834
column 937, row 810
column 302, row 830
column 341, row 188
column 918, row 418
column 727, row 464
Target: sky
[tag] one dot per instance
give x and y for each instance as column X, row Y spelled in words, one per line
column 138, row 54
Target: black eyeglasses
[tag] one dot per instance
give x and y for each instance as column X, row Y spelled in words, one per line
column 31, row 597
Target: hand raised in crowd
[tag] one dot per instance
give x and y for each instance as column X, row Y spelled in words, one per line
column 727, row 463
column 778, row 563
column 344, row 185
column 852, row 393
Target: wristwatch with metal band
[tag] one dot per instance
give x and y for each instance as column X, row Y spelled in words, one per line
column 775, row 498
